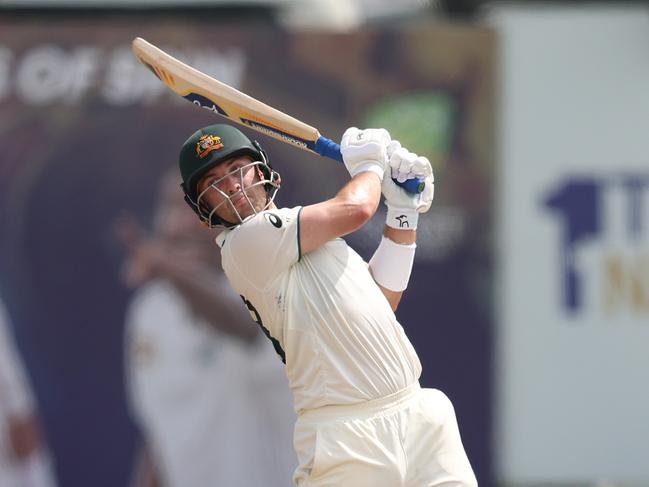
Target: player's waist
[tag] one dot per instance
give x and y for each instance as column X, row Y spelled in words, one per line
column 360, row 410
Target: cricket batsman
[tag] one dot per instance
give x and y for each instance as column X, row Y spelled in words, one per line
column 363, row 418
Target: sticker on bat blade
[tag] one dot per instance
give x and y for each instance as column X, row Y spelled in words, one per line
column 291, row 139
column 206, row 103
column 148, row 66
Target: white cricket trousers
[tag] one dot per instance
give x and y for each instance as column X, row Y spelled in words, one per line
column 407, row 439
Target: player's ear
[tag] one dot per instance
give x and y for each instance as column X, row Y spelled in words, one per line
column 260, row 172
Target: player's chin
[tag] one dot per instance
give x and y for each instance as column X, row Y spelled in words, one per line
column 250, row 205
column 238, row 215
column 242, row 208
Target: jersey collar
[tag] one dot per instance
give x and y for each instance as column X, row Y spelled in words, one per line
column 220, row 238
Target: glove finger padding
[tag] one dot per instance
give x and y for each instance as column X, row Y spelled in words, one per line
column 407, row 165
column 393, row 146
column 401, row 163
column 365, row 150
column 421, row 168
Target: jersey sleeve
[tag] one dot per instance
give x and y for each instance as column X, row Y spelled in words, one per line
column 265, row 246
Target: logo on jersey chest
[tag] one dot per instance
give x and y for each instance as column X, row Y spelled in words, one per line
column 273, row 219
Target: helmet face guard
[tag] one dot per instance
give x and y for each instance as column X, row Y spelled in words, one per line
column 271, row 185
column 207, row 148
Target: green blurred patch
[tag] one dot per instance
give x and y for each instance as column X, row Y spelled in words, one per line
column 422, row 122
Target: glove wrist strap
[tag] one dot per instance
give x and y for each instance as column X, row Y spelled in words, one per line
column 401, row 218
column 370, row 166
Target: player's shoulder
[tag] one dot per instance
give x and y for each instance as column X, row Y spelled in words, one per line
column 260, row 226
column 275, row 217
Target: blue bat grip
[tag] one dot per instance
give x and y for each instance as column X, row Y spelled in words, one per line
column 328, row 148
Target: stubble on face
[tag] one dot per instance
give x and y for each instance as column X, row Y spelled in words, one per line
column 237, row 205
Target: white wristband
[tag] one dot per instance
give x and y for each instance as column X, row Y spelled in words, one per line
column 391, row 264
column 370, row 166
column 402, row 218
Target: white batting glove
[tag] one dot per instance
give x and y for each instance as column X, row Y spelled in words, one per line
column 365, row 150
column 404, row 164
column 404, row 207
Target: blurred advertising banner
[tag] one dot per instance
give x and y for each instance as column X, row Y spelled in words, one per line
column 86, row 132
column 572, row 346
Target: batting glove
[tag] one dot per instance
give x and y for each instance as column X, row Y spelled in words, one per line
column 404, row 164
column 365, row 150
column 404, row 207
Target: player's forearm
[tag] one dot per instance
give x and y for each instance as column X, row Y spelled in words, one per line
column 346, row 212
column 402, row 237
column 360, row 197
column 364, row 154
column 392, row 261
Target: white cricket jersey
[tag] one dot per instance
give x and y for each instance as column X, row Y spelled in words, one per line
column 325, row 314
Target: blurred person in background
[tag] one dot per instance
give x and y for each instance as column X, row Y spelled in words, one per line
column 24, row 457
column 210, row 398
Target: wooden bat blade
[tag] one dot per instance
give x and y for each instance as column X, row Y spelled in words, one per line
column 222, row 99
column 211, row 94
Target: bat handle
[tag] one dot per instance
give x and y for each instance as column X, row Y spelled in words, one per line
column 328, row 148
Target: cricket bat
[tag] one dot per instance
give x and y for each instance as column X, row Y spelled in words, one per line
column 215, row 96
